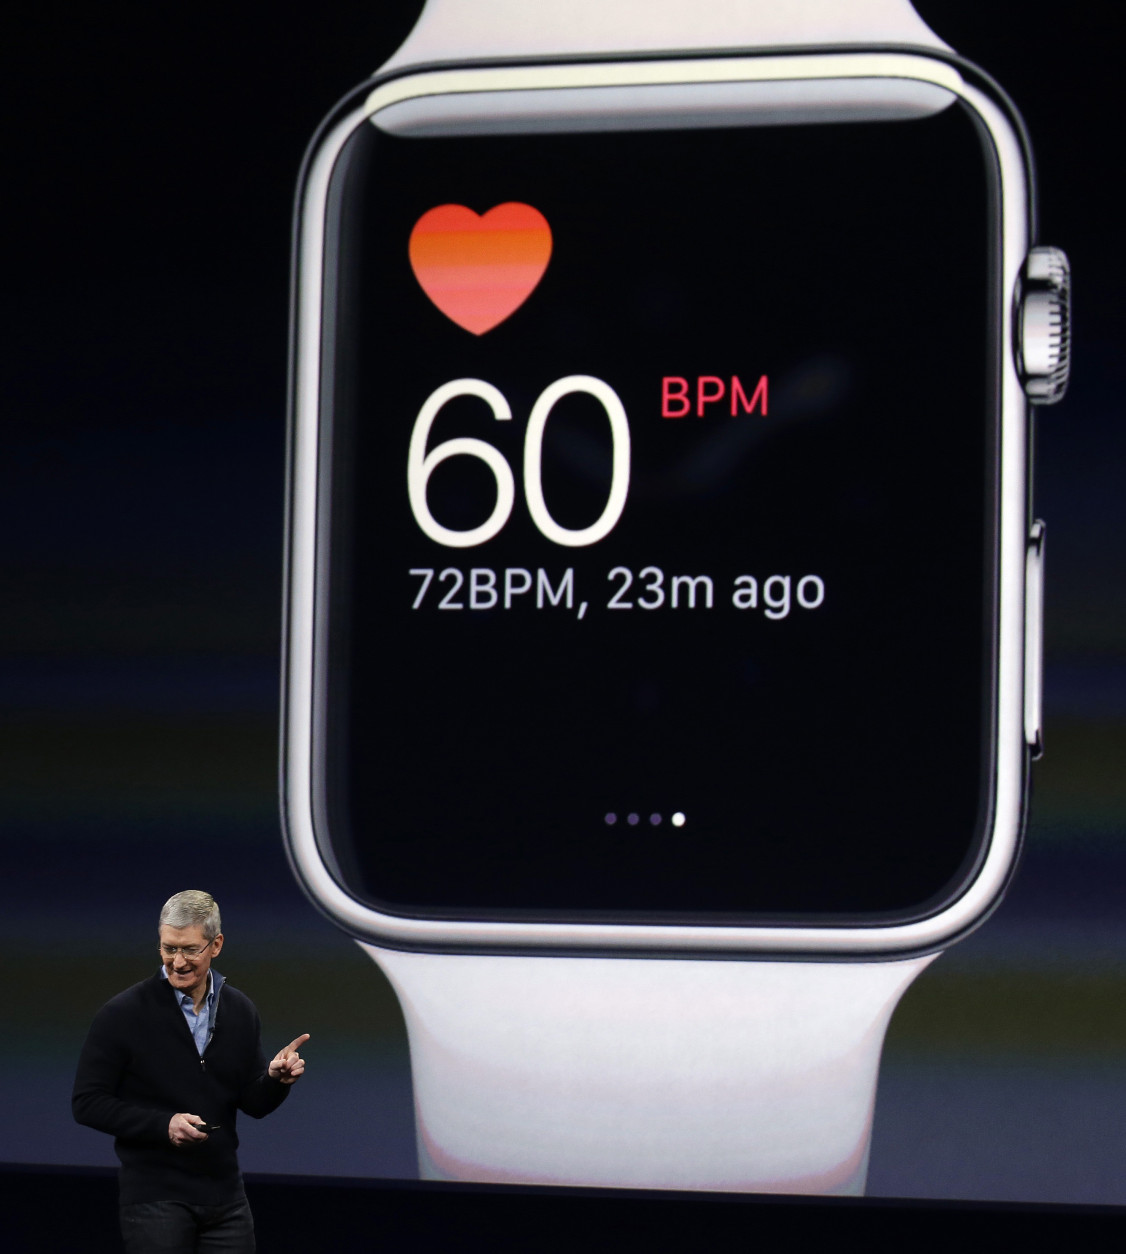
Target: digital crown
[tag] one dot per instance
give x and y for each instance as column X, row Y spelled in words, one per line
column 1043, row 325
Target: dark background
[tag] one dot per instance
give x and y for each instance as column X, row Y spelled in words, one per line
column 152, row 164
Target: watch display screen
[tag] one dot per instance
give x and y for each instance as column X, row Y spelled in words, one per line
column 656, row 521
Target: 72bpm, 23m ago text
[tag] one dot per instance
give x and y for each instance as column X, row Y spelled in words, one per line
column 650, row 588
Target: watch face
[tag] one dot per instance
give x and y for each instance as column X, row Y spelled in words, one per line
column 656, row 521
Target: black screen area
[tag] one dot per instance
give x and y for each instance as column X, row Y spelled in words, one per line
column 762, row 692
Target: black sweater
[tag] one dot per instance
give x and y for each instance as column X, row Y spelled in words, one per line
column 140, row 1066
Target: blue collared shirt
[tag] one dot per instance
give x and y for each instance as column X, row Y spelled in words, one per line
column 200, row 1025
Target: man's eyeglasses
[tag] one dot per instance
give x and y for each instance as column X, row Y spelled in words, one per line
column 189, row 951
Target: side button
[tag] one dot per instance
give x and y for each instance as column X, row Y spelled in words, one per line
column 1034, row 638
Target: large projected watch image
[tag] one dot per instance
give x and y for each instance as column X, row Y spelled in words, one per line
column 663, row 587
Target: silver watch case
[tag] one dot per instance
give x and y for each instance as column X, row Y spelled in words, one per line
column 696, row 89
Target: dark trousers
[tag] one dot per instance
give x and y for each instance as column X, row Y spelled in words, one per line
column 181, row 1228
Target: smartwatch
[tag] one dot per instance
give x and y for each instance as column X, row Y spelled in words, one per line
column 662, row 641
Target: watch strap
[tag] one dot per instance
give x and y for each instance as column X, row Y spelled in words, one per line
column 463, row 30
column 646, row 1073
column 634, row 1072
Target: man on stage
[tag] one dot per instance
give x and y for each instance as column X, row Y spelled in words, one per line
column 166, row 1067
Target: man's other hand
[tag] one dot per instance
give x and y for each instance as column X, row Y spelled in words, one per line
column 182, row 1129
column 287, row 1064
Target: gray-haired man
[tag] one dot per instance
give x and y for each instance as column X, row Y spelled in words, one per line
column 166, row 1067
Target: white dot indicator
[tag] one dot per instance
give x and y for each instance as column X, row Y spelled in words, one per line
column 678, row 819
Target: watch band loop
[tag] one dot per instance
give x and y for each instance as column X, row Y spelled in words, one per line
column 673, row 1074
column 463, row 30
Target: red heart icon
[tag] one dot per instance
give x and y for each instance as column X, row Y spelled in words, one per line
column 479, row 269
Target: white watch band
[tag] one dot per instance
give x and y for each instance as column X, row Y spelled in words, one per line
column 460, row 30
column 750, row 1076
column 631, row 1072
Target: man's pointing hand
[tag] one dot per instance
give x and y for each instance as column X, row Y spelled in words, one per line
column 287, row 1064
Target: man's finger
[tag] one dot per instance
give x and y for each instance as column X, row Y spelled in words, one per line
column 296, row 1044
